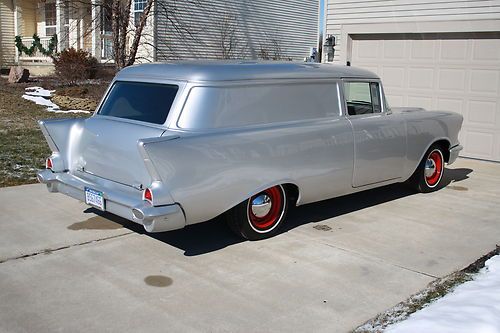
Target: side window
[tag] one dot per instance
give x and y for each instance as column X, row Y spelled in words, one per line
column 362, row 97
column 236, row 106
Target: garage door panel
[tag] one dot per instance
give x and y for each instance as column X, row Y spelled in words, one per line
column 451, row 79
column 370, row 49
column 479, row 144
column 486, row 50
column 484, row 81
column 452, row 50
column 483, row 113
column 421, row 101
column 394, row 77
column 461, row 75
column 394, row 49
column 421, row 78
column 456, row 105
column 423, row 49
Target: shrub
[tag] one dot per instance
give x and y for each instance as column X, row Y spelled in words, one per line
column 73, row 66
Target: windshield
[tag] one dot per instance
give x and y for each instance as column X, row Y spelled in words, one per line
column 147, row 102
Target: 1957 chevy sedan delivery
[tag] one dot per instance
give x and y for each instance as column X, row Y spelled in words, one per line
column 180, row 143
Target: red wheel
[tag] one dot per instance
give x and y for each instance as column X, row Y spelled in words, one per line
column 259, row 216
column 430, row 170
column 265, row 209
column 433, row 168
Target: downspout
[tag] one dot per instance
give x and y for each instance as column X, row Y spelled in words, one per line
column 323, row 34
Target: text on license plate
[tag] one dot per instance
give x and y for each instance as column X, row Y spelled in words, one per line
column 94, row 198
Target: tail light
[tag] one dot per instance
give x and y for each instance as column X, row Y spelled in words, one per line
column 48, row 163
column 147, row 195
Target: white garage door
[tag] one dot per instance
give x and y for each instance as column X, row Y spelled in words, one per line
column 456, row 74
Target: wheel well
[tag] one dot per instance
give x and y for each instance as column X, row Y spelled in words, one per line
column 292, row 192
column 445, row 148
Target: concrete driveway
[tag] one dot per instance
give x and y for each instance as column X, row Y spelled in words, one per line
column 339, row 263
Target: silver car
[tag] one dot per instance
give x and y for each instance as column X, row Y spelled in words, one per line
column 174, row 144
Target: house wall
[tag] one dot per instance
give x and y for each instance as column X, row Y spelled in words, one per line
column 26, row 17
column 7, row 47
column 146, row 50
column 343, row 16
column 40, row 21
column 188, row 29
column 87, row 27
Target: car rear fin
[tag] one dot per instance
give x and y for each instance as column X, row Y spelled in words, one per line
column 46, row 134
column 142, row 143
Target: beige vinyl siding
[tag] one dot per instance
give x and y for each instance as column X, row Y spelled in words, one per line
column 194, row 29
column 7, row 48
column 355, row 12
column 145, row 52
column 27, row 17
column 87, row 26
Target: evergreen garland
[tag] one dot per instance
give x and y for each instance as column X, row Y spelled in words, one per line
column 36, row 45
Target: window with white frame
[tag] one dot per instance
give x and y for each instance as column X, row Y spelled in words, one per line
column 50, row 18
column 139, row 6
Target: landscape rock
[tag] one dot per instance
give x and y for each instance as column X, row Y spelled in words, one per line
column 18, row 74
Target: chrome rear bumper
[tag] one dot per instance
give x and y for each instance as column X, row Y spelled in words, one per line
column 454, row 151
column 121, row 200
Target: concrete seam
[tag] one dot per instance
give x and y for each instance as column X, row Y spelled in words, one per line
column 48, row 251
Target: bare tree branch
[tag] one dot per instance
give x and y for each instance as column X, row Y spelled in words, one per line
column 116, row 27
column 138, row 33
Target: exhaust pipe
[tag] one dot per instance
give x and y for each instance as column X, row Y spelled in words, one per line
column 47, row 177
column 158, row 219
column 138, row 214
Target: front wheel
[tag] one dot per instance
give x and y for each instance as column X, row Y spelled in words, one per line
column 429, row 173
column 261, row 215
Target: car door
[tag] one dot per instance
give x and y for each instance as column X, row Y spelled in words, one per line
column 379, row 135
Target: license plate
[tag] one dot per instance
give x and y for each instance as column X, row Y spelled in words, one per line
column 94, row 198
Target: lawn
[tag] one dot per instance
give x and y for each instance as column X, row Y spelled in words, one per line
column 23, row 148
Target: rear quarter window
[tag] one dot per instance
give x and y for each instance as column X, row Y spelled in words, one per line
column 236, row 106
column 148, row 102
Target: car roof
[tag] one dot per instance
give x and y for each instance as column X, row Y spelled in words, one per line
column 240, row 70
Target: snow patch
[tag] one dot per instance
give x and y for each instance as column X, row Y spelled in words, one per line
column 41, row 101
column 472, row 307
column 42, row 97
column 38, row 91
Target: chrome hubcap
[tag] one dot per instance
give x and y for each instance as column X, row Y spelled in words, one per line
column 261, row 205
column 430, row 168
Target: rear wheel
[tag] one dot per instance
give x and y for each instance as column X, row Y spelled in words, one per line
column 261, row 215
column 429, row 173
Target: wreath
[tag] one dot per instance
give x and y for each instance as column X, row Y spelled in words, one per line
column 36, row 45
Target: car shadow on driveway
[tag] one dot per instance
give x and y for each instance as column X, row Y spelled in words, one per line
column 323, row 210
column 214, row 235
